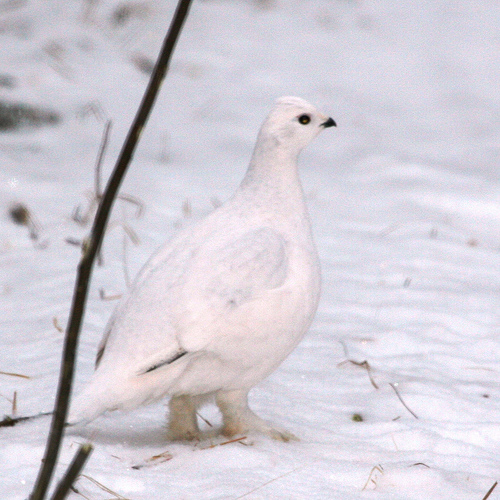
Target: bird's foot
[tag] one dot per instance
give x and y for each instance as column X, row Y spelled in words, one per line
column 258, row 425
column 182, row 423
column 183, row 435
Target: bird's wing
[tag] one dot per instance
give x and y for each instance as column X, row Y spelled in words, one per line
column 160, row 318
column 248, row 266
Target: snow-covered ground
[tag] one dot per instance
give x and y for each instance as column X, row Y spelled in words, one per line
column 405, row 201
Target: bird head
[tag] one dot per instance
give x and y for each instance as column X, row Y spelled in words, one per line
column 293, row 123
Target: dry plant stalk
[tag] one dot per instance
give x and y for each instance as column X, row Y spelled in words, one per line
column 363, row 364
column 72, row 472
column 490, row 491
column 90, row 250
column 235, row 440
column 56, row 324
column 377, row 468
column 204, row 419
column 14, row 404
column 402, row 401
column 11, row 374
column 102, row 487
column 9, row 421
column 154, row 460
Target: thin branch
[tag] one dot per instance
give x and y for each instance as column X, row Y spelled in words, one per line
column 235, row 440
column 10, row 374
column 401, row 399
column 204, row 419
column 97, row 179
column 154, row 460
column 14, row 405
column 490, row 491
column 11, row 421
column 100, row 158
column 91, row 249
column 73, row 470
column 377, row 468
column 362, row 364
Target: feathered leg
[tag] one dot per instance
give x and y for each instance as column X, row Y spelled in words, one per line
column 182, row 420
column 239, row 419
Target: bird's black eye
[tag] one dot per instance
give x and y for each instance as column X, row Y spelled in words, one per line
column 304, row 119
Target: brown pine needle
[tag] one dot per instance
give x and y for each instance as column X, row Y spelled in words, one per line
column 14, row 404
column 10, row 374
column 204, row 419
column 235, row 440
column 56, row 324
column 401, row 399
column 103, row 296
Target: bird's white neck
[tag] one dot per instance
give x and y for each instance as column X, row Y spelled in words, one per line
column 273, row 169
column 272, row 185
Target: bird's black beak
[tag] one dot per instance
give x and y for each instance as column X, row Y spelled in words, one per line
column 329, row 123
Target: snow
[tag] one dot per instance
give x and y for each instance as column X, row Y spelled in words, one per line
column 404, row 199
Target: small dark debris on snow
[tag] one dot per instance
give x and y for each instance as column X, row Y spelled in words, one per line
column 356, row 417
column 143, row 63
column 73, row 241
column 7, row 81
column 20, row 214
column 127, row 11
column 17, row 115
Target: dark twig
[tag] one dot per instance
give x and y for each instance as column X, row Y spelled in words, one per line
column 100, row 158
column 90, row 249
column 362, row 364
column 378, row 468
column 204, row 419
column 490, row 491
column 11, row 421
column 98, row 165
column 401, row 399
column 10, row 374
column 73, row 470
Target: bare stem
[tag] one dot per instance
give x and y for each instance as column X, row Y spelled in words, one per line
column 490, row 491
column 100, row 158
column 72, row 473
column 91, row 247
column 402, row 401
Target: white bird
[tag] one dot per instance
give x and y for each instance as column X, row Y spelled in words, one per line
column 219, row 307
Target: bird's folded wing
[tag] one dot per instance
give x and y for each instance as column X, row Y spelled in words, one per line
column 217, row 280
column 248, row 266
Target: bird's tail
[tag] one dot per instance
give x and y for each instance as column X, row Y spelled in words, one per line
column 88, row 405
column 107, row 392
